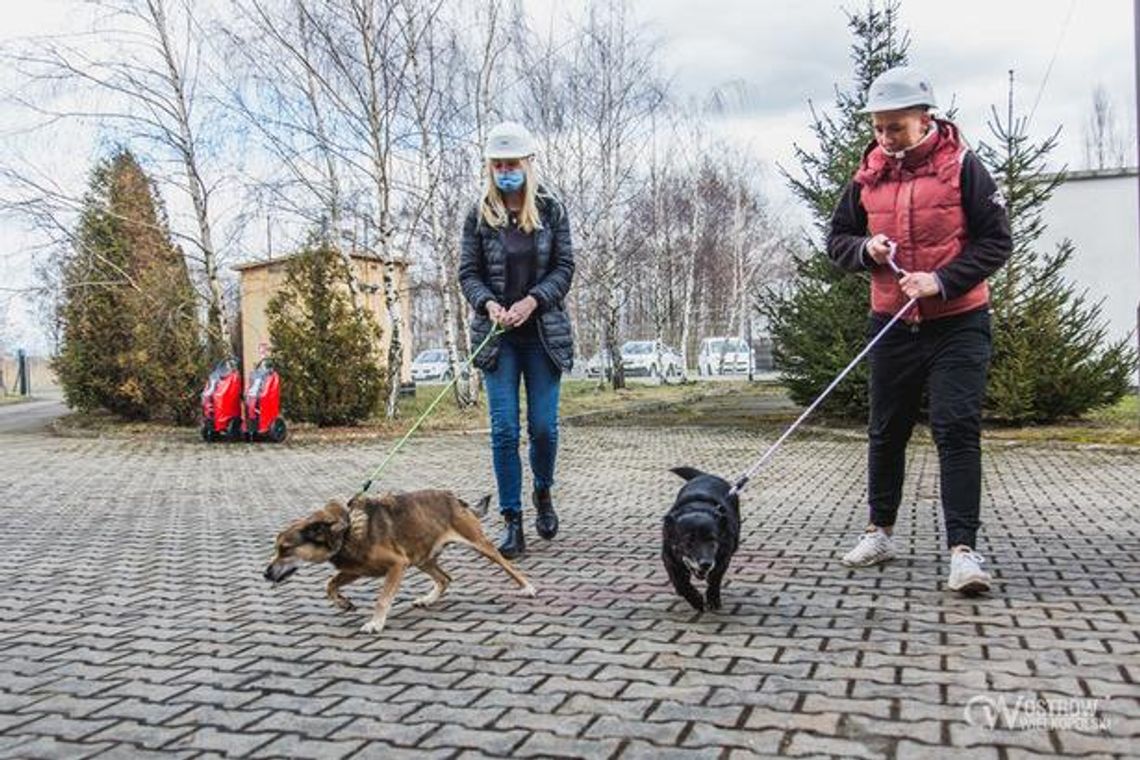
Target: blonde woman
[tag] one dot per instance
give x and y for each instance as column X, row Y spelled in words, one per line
column 515, row 268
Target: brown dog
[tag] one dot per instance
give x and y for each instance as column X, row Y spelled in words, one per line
column 382, row 537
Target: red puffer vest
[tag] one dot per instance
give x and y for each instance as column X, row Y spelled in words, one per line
column 916, row 201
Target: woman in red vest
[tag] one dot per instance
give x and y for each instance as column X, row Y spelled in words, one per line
column 920, row 192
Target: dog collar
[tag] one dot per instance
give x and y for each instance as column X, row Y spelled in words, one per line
column 710, row 502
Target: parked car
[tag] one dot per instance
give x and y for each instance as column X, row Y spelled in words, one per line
column 649, row 358
column 600, row 364
column 431, row 364
column 724, row 356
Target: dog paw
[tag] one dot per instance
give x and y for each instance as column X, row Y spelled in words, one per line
column 714, row 603
column 698, row 604
column 343, row 604
column 372, row 626
column 528, row 590
column 426, row 600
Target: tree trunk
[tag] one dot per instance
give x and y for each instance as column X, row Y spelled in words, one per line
column 690, row 261
column 218, row 324
column 333, row 200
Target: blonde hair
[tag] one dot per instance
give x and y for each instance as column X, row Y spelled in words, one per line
column 493, row 208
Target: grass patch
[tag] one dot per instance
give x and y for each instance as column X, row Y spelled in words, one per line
column 1118, row 424
column 733, row 405
column 579, row 398
column 103, row 423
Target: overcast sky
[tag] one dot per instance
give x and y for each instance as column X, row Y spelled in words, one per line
column 788, row 53
column 792, row 52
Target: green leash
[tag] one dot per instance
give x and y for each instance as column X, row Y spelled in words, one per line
column 496, row 329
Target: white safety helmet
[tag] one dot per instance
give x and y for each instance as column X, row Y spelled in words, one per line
column 508, row 139
column 898, row 88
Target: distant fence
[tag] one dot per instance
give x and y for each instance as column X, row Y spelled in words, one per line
column 40, row 376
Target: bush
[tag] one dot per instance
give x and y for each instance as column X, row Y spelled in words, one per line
column 1051, row 357
column 324, row 349
column 130, row 340
column 819, row 321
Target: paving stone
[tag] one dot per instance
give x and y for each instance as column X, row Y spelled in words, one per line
column 46, row 748
column 137, row 618
column 488, row 740
column 293, row 746
column 241, row 743
column 371, row 729
column 141, row 734
column 71, row 729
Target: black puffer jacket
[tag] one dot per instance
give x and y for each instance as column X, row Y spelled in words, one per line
column 483, row 277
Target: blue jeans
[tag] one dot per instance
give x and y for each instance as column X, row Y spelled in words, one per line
column 525, row 359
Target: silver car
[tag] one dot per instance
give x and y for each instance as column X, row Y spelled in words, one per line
column 431, row 364
column 648, row 358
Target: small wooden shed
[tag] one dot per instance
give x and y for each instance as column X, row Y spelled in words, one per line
column 260, row 281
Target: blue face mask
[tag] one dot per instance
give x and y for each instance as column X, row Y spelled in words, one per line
column 510, row 181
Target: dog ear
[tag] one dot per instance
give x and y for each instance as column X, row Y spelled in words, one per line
column 335, row 521
column 721, row 514
column 670, row 520
column 337, row 529
column 688, row 473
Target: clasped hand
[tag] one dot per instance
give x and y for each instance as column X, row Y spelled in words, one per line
column 914, row 284
column 519, row 312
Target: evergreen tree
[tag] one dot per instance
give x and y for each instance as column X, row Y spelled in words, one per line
column 818, row 322
column 1051, row 359
column 325, row 350
column 130, row 338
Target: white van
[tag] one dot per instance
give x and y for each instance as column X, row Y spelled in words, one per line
column 724, row 356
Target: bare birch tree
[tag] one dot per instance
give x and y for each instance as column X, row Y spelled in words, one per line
column 148, row 84
column 1105, row 147
column 276, row 88
column 435, row 61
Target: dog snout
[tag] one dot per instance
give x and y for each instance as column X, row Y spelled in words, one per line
column 277, row 572
column 705, row 566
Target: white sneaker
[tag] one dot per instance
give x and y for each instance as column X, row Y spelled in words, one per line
column 874, row 547
column 966, row 573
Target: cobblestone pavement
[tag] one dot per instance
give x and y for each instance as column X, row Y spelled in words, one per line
column 134, row 618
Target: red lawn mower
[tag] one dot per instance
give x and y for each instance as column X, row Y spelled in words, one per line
column 263, row 420
column 221, row 403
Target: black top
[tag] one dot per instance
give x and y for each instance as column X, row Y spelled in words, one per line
column 483, row 277
column 987, row 229
column 522, row 266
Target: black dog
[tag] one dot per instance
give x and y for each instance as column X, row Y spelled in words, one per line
column 700, row 534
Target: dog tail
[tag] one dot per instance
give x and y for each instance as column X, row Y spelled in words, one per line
column 480, row 508
column 688, row 473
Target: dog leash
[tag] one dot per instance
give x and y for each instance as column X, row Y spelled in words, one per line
column 742, row 481
column 496, row 329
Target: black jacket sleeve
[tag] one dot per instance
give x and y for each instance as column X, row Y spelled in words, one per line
column 554, row 285
column 847, row 237
column 471, row 265
column 988, row 243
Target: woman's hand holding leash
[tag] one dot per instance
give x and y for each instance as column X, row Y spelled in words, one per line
column 913, row 284
column 880, row 248
column 521, row 310
column 497, row 313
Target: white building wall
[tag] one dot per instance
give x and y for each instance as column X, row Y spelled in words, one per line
column 1098, row 212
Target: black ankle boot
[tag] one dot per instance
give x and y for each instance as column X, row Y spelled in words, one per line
column 512, row 544
column 545, row 518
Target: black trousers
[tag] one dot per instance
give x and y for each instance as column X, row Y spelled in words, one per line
column 949, row 357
